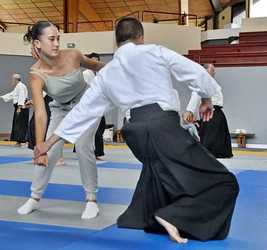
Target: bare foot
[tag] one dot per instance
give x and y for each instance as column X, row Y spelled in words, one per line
column 172, row 231
column 61, row 161
column 98, row 159
column 25, row 145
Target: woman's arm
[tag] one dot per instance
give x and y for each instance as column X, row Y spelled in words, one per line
column 90, row 64
column 37, row 84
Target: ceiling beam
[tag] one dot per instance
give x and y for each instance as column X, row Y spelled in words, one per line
column 90, row 14
column 70, row 15
column 231, row 3
column 216, row 5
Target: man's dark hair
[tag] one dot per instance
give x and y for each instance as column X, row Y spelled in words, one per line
column 128, row 29
column 93, row 55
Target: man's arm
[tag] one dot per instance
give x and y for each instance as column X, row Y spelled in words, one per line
column 42, row 147
column 93, row 105
column 191, row 73
column 8, row 97
column 191, row 107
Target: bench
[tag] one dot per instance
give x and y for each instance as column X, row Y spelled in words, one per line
column 241, row 138
column 5, row 135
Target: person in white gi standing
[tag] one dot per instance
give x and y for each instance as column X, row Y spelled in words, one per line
column 214, row 135
column 21, row 114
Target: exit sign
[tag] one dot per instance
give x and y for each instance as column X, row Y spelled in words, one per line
column 71, row 45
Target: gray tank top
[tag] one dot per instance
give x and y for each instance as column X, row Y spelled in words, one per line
column 64, row 89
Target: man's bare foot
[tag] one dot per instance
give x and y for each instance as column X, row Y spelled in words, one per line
column 98, row 159
column 172, row 231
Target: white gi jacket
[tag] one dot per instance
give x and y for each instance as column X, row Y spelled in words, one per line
column 138, row 75
column 88, row 76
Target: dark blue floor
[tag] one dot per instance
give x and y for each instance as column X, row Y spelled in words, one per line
column 18, row 236
column 5, row 160
column 248, row 229
column 67, row 192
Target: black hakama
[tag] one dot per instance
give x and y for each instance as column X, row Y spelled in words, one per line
column 215, row 136
column 19, row 125
column 31, row 130
column 180, row 181
column 99, row 142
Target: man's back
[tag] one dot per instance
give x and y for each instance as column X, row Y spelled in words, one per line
column 145, row 72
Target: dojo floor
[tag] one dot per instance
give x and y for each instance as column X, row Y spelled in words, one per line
column 57, row 223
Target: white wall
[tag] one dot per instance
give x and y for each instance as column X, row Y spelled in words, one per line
column 259, row 8
column 178, row 38
column 219, row 34
column 254, row 24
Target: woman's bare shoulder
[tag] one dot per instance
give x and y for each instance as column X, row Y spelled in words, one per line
column 70, row 52
column 35, row 66
column 70, row 57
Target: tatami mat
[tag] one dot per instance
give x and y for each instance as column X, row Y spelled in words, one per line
column 57, row 223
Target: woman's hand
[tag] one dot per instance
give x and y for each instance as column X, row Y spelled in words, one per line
column 41, row 160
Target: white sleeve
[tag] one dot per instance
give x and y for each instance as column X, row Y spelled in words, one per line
column 217, row 99
column 93, row 105
column 88, row 77
column 22, row 95
column 191, row 73
column 193, row 103
column 8, row 97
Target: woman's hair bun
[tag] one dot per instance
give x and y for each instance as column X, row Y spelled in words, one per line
column 27, row 38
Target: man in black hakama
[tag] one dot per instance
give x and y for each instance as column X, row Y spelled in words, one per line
column 180, row 181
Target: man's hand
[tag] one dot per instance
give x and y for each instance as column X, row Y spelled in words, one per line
column 28, row 104
column 188, row 117
column 18, row 110
column 206, row 109
column 41, row 148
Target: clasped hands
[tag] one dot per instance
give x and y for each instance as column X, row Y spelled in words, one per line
column 40, row 155
column 205, row 112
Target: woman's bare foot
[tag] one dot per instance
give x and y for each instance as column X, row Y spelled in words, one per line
column 172, row 231
column 61, row 161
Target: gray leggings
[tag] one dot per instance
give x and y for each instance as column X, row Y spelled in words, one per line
column 84, row 150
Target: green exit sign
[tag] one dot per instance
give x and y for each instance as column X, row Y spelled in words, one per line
column 71, row 45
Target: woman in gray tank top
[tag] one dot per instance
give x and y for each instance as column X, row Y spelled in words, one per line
column 59, row 74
